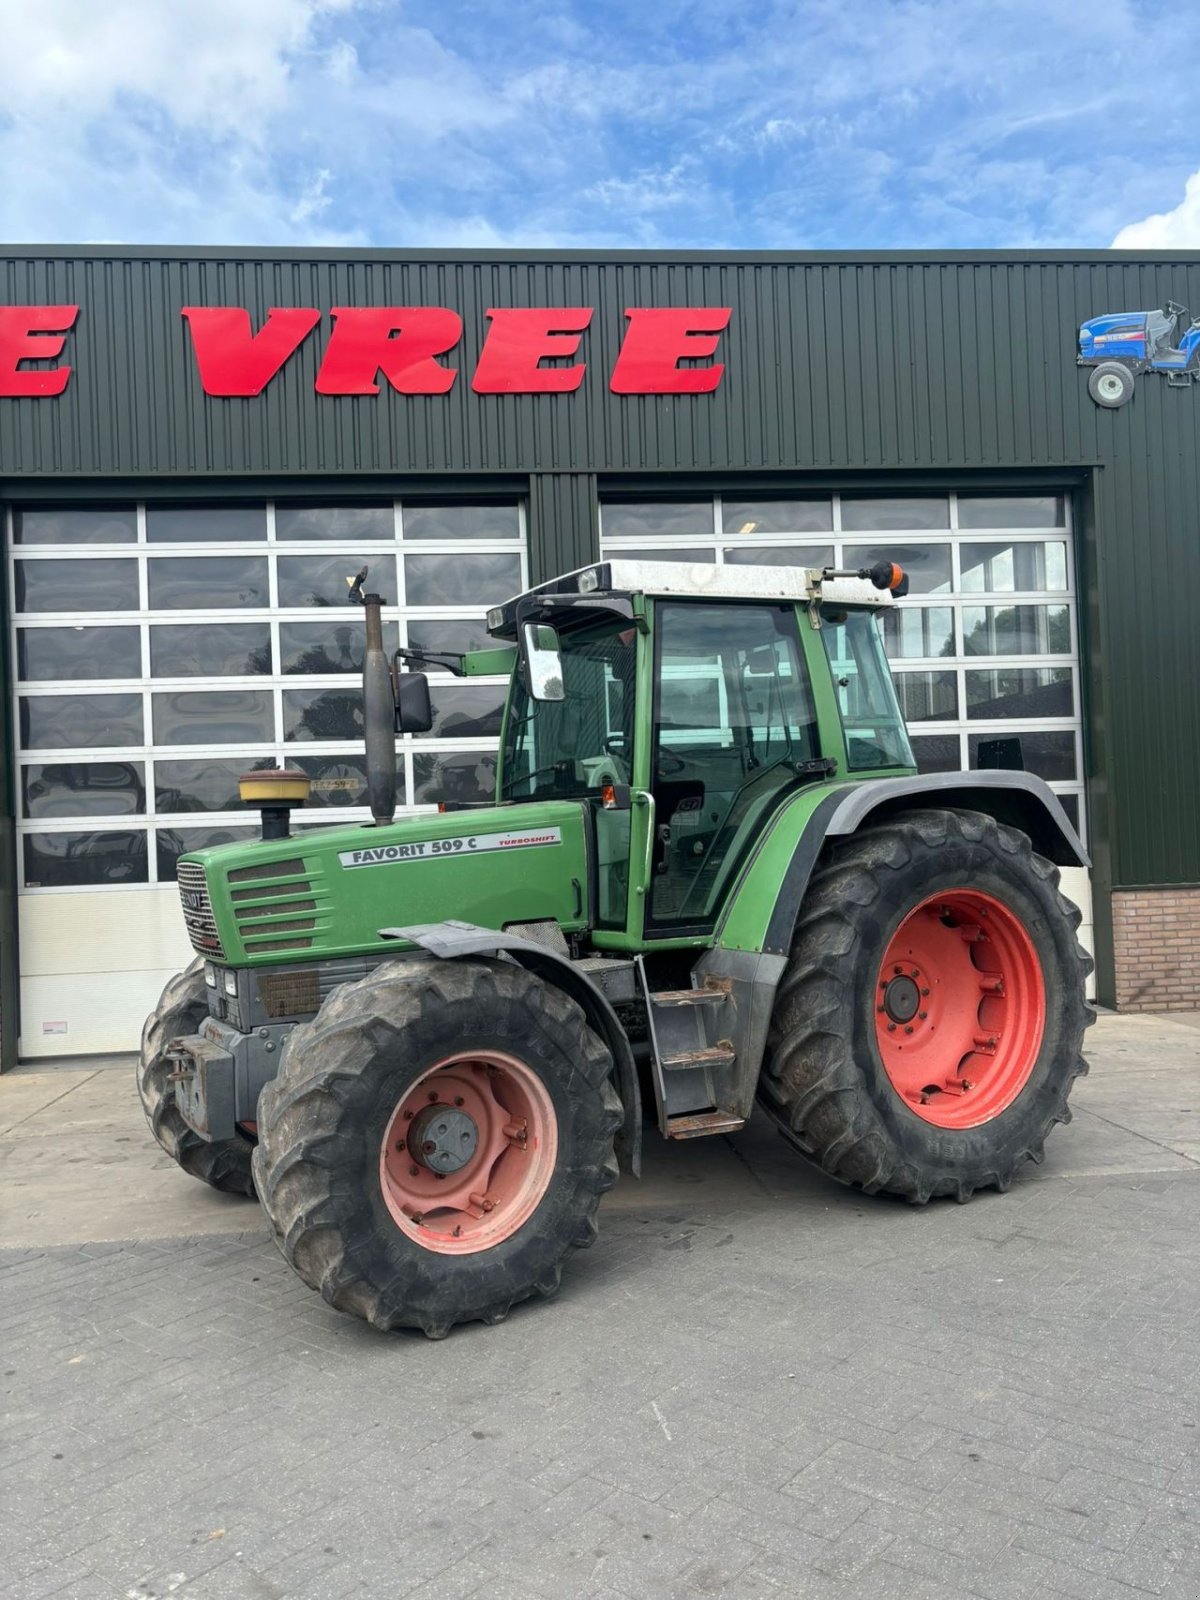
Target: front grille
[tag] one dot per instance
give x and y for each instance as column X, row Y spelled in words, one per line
column 197, row 910
column 276, row 909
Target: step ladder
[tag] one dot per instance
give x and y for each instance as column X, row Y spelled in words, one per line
column 692, row 1058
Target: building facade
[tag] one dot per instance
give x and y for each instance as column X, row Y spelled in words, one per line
column 197, row 449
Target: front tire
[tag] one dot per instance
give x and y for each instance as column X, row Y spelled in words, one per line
column 223, row 1163
column 436, row 1142
column 928, row 1028
column 1111, row 384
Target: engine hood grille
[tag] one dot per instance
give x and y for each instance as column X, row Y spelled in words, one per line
column 197, row 911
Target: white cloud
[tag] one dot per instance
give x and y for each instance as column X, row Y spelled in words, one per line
column 1178, row 229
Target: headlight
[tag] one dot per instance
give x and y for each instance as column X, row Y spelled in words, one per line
column 494, row 618
column 231, row 983
column 210, row 975
column 589, row 581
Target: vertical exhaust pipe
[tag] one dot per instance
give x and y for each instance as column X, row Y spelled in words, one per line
column 379, row 708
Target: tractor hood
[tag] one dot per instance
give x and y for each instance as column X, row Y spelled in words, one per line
column 328, row 892
column 1113, row 326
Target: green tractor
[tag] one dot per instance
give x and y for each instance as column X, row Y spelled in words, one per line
column 711, row 876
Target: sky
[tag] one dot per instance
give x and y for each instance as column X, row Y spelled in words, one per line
column 650, row 124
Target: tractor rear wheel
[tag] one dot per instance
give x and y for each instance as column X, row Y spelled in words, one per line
column 436, row 1142
column 222, row 1164
column 927, row 1031
column 1111, row 384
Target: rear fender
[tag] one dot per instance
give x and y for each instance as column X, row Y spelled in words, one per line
column 453, row 941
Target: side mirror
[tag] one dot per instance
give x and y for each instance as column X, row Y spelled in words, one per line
column 543, row 661
column 414, row 714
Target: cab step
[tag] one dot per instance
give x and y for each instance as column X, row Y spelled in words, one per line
column 721, row 1054
column 701, row 1123
column 688, row 997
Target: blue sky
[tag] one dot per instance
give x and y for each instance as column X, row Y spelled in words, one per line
column 816, row 124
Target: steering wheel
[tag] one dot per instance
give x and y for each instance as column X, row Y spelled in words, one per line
column 617, row 746
column 669, row 763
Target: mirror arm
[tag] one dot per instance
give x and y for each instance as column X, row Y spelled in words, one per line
column 442, row 659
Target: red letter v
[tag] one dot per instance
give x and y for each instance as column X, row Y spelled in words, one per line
column 234, row 361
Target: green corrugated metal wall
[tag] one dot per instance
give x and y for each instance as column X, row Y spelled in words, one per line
column 902, row 367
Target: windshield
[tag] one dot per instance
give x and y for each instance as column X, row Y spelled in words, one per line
column 561, row 749
column 875, row 732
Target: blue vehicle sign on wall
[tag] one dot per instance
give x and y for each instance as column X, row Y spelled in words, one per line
column 1120, row 344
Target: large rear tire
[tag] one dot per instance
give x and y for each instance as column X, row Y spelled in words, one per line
column 436, row 1142
column 928, row 1028
column 224, row 1163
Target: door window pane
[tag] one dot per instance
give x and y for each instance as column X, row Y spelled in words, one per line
column 788, row 555
column 95, row 584
column 936, row 752
column 1011, row 511
column 104, row 525
column 910, row 632
column 228, row 716
column 1021, row 693
column 204, row 583
column 862, row 516
column 654, row 518
column 744, row 517
column 333, row 714
column 871, row 720
column 461, row 522
column 466, row 710
column 205, row 524
column 211, row 649
column 928, row 696
column 446, row 580
column 84, row 789
column 1050, row 754
column 206, row 783
column 928, row 565
column 76, row 651
column 175, row 842
column 351, row 524
column 1012, row 567
column 333, row 646
column 466, row 775
column 1016, row 631
column 325, row 581
column 80, row 722
column 75, row 860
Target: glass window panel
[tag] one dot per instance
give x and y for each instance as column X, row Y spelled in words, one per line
column 466, row 710
column 341, row 780
column 84, row 789
column 210, row 649
column 205, row 524
column 1012, row 511
column 863, row 516
column 1051, row 755
column 743, row 517
column 461, row 522
column 324, row 580
column 457, row 634
column 936, row 752
column 457, row 580
column 1016, row 631
column 203, row 583
column 79, row 721
column 75, row 651
column 175, row 842
column 323, row 713
column 207, row 783
column 927, row 565
column 74, row 860
column 910, row 632
column 465, row 775
column 1010, row 566
column 93, row 585
column 1070, row 804
column 1020, row 693
column 667, row 553
column 352, row 524
column 102, row 525
column 788, row 555
column 928, row 696
column 221, row 716
column 332, row 646
column 652, row 519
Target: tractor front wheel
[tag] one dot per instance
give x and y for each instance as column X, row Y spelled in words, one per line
column 223, row 1163
column 928, row 1029
column 436, row 1142
column 1111, row 384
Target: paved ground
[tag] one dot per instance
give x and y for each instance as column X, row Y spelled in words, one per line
column 755, row 1385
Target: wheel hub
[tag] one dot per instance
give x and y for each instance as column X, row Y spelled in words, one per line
column 443, row 1138
column 902, row 999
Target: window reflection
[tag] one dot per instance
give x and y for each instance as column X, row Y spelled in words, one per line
column 914, row 631
column 861, row 516
column 98, row 583
column 466, row 711
column 1014, row 567
column 341, row 780
column 84, row 789
column 456, row 580
column 175, row 842
column 80, row 722
column 211, row 649
column 789, row 555
column 1051, row 755
column 927, row 696
column 667, row 553
column 651, row 519
column 72, row 525
column 744, row 517
column 205, row 524
column 937, row 752
column 350, row 523
column 204, row 784
column 461, row 522
column 1016, row 630
column 928, row 565
column 464, row 775
column 333, row 646
column 208, row 583
column 333, row 714
column 325, row 580
column 227, row 716
column 1021, row 693
column 75, row 651
column 458, row 634
column 1011, row 511
column 75, row 860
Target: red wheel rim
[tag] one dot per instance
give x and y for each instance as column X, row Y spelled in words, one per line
column 469, row 1153
column 960, row 1008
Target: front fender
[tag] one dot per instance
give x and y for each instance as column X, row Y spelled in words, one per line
column 453, row 941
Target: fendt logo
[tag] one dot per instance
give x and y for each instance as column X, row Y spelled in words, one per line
column 665, row 349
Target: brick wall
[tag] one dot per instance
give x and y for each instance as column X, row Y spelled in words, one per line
column 1156, row 940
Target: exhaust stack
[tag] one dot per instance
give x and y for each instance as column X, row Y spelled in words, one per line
column 379, row 708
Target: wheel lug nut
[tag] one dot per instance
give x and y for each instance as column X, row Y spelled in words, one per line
column 413, row 1172
column 925, row 992
column 458, row 1100
column 916, row 972
column 433, row 1095
column 908, row 1030
column 881, row 1008
column 923, row 1015
column 897, row 969
column 408, row 1116
column 891, row 1027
